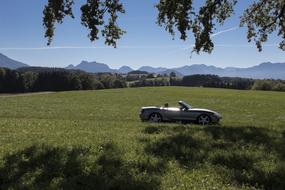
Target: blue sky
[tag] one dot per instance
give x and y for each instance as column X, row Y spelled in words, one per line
column 145, row 43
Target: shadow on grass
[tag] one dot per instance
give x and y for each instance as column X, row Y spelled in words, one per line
column 242, row 155
column 152, row 130
column 46, row 167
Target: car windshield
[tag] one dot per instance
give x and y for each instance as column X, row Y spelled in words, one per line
column 184, row 105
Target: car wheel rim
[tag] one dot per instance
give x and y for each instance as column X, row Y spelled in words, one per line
column 204, row 120
column 155, row 118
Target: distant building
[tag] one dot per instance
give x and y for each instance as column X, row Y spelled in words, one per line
column 135, row 75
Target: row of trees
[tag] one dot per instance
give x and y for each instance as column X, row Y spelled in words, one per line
column 274, row 85
column 150, row 82
column 46, row 79
column 34, row 80
column 214, row 81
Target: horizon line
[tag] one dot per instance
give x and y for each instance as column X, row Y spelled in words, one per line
column 155, row 67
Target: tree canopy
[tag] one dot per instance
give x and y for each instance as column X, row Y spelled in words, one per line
column 262, row 18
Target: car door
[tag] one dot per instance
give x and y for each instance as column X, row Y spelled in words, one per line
column 171, row 114
column 187, row 115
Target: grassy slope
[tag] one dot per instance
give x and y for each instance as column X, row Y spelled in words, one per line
column 71, row 139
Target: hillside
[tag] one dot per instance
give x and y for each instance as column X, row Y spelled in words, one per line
column 10, row 63
column 95, row 138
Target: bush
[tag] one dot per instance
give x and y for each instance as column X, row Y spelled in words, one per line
column 150, row 82
column 279, row 86
column 276, row 85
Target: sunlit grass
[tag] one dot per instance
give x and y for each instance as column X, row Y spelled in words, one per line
column 83, row 129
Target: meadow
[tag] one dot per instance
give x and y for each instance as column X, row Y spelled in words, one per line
column 95, row 140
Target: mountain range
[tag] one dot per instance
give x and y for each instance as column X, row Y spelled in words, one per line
column 261, row 71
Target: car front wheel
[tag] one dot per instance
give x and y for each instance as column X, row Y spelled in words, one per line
column 155, row 117
column 204, row 120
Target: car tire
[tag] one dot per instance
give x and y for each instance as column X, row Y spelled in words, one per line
column 155, row 117
column 204, row 119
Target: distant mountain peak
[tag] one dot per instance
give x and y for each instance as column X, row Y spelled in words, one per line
column 93, row 67
column 2, row 55
column 150, row 69
column 269, row 64
column 84, row 62
column 125, row 69
column 7, row 62
column 70, row 66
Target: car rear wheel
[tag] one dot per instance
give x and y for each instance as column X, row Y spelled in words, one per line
column 155, row 117
column 204, row 120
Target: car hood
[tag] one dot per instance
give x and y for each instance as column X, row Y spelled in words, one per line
column 162, row 108
column 150, row 107
column 201, row 109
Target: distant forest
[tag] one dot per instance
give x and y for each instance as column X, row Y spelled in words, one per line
column 212, row 81
column 53, row 79
column 37, row 79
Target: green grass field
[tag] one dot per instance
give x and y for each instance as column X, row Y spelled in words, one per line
column 95, row 140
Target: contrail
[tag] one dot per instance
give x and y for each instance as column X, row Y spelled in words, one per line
column 214, row 35
column 224, row 31
column 245, row 45
column 89, row 47
column 51, row 48
column 235, row 46
column 127, row 47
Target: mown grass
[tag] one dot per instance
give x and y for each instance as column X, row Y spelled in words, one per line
column 95, row 140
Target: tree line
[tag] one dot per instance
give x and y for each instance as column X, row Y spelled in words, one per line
column 37, row 79
column 53, row 79
column 269, row 85
column 213, row 81
column 161, row 81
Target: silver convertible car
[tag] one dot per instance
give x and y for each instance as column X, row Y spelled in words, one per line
column 185, row 114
